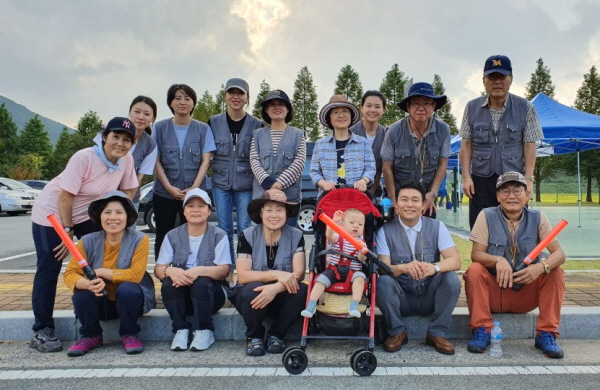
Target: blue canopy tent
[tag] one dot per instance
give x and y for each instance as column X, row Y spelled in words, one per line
column 566, row 130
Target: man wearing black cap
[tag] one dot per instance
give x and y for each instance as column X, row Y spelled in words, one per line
column 417, row 147
column 499, row 131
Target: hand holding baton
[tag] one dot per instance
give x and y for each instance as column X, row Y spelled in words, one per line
column 539, row 248
column 356, row 244
column 87, row 270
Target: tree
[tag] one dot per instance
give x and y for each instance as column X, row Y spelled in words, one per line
column 88, row 126
column 262, row 94
column 34, row 139
column 9, row 141
column 29, row 167
column 63, row 150
column 306, row 107
column 392, row 87
column 220, row 105
column 541, row 81
column 588, row 100
column 348, row 84
column 205, row 107
column 444, row 113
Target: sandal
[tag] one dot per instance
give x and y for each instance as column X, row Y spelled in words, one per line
column 275, row 345
column 255, row 347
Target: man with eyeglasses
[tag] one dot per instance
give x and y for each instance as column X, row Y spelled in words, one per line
column 499, row 131
column 502, row 237
column 417, row 147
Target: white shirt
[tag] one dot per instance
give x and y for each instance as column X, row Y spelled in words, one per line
column 222, row 254
column 444, row 239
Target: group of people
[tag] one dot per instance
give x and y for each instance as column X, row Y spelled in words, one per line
column 257, row 169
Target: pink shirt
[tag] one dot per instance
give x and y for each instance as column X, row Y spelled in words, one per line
column 87, row 177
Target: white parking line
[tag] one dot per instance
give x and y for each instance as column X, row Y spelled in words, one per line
column 280, row 371
column 16, row 256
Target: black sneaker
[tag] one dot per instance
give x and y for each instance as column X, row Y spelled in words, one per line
column 275, row 345
column 45, row 340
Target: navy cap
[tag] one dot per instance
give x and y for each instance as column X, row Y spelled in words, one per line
column 120, row 124
column 497, row 64
column 425, row 90
column 274, row 95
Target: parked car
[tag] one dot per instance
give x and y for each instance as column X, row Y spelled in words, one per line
column 37, row 184
column 15, row 185
column 15, row 202
column 307, row 208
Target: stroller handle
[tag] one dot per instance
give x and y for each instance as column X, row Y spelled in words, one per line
column 357, row 244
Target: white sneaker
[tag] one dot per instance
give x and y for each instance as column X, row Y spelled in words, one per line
column 180, row 341
column 203, row 339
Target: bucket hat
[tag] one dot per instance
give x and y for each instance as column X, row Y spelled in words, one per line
column 426, row 90
column 338, row 101
column 95, row 208
column 274, row 95
column 272, row 195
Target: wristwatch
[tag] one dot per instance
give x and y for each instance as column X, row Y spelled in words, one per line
column 546, row 267
column 436, row 268
column 69, row 229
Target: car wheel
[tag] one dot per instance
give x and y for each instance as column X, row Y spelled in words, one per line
column 149, row 219
column 305, row 216
column 15, row 212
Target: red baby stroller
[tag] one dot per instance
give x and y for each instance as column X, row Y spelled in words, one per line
column 333, row 325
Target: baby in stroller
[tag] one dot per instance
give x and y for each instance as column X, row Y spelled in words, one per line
column 347, row 262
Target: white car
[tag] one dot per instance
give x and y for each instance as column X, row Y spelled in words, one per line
column 15, row 202
column 15, row 185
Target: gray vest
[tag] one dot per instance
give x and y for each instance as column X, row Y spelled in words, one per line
column 181, row 167
column 180, row 242
column 359, row 129
column 231, row 163
column 143, row 148
column 499, row 236
column 288, row 243
column 93, row 245
column 400, row 251
column 502, row 151
column 276, row 162
column 406, row 160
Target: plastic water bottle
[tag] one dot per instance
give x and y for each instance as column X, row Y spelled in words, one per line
column 496, row 340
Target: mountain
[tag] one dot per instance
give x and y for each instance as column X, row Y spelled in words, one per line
column 21, row 114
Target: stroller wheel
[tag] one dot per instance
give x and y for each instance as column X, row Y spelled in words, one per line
column 295, row 360
column 354, row 355
column 364, row 363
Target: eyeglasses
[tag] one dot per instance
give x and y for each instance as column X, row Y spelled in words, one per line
column 506, row 191
column 424, row 105
column 340, row 111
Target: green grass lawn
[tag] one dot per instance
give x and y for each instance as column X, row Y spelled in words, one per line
column 464, row 249
column 549, row 199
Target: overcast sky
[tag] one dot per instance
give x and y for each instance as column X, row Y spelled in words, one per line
column 62, row 58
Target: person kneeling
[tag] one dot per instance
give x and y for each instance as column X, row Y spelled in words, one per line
column 353, row 222
column 193, row 263
column 119, row 257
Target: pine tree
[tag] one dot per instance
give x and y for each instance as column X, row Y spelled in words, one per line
column 588, row 100
column 220, row 105
column 34, row 139
column 205, row 107
column 348, row 84
column 392, row 87
column 262, row 94
column 541, row 81
column 306, row 107
column 63, row 151
column 444, row 113
column 9, row 141
column 88, row 126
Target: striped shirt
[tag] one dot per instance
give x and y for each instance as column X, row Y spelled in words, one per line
column 533, row 129
column 291, row 174
column 348, row 248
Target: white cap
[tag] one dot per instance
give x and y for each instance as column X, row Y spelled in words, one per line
column 197, row 193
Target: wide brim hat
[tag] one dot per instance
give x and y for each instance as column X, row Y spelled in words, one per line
column 274, row 95
column 272, row 195
column 95, row 208
column 338, row 101
column 425, row 90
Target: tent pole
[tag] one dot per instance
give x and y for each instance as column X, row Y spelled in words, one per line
column 578, row 185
